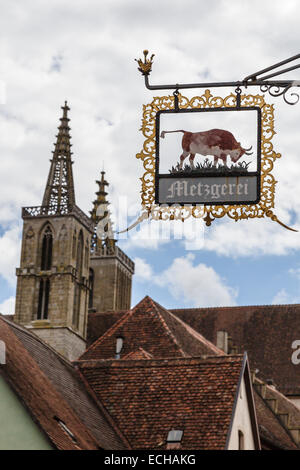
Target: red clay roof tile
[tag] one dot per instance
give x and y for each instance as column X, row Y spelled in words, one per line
column 153, row 328
column 42, row 400
column 148, row 398
column 266, row 332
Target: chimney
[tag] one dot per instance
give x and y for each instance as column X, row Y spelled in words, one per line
column 222, row 341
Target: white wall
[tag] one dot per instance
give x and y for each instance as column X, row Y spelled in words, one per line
column 295, row 400
column 242, row 422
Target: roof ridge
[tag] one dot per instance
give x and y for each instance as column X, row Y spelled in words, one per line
column 155, row 305
column 114, row 327
column 161, row 361
column 191, row 331
column 198, row 335
column 233, row 307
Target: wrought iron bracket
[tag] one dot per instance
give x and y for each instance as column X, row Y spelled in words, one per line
column 260, row 79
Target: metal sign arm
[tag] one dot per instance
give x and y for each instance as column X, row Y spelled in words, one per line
column 253, row 76
column 273, row 87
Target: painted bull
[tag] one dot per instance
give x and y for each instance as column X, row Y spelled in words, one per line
column 216, row 142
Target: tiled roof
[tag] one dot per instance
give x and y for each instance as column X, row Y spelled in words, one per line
column 271, row 431
column 41, row 399
column 140, row 353
column 266, row 332
column 156, row 330
column 148, row 398
column 99, row 323
column 66, row 380
column 277, row 416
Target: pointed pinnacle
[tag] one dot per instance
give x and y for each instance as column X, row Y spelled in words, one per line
column 65, row 109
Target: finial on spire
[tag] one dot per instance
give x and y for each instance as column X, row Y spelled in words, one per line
column 65, row 109
column 101, row 213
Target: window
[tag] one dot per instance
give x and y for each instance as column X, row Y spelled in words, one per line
column 86, row 255
column 46, row 260
column 174, row 439
column 77, row 299
column 241, row 440
column 74, row 245
column 65, row 428
column 119, row 347
column 43, row 303
column 91, row 286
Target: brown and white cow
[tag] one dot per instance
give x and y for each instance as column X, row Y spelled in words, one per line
column 216, row 142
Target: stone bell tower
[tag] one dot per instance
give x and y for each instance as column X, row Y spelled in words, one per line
column 53, row 278
column 110, row 269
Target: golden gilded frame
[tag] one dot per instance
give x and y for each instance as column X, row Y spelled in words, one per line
column 208, row 213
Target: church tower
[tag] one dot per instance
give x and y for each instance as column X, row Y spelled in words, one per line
column 53, row 278
column 110, row 269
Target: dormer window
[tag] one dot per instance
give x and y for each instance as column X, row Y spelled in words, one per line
column 174, row 439
column 119, row 347
column 65, row 428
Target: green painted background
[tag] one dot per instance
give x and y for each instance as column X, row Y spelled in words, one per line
column 17, row 429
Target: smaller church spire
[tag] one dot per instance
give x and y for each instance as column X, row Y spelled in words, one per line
column 102, row 215
column 59, row 192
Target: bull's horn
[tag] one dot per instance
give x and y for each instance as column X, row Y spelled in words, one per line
column 248, row 153
column 248, row 150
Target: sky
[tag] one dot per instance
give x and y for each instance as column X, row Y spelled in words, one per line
column 83, row 52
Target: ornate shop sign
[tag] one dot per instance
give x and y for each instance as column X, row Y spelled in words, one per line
column 225, row 178
column 211, row 156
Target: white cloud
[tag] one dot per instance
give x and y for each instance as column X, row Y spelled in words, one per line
column 10, row 254
column 143, row 270
column 196, row 285
column 147, row 235
column 283, row 297
column 295, row 272
column 8, row 306
column 250, row 238
column 81, row 51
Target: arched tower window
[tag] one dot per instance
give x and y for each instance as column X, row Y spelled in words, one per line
column 43, row 304
column 91, row 286
column 79, row 255
column 47, row 242
column 74, row 245
column 79, row 259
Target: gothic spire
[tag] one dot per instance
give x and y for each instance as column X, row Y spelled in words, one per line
column 59, row 193
column 103, row 216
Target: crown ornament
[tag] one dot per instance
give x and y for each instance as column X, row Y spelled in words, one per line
column 146, row 65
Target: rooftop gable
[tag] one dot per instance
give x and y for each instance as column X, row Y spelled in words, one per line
column 156, row 330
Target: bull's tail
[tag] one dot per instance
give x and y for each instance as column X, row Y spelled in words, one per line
column 163, row 133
